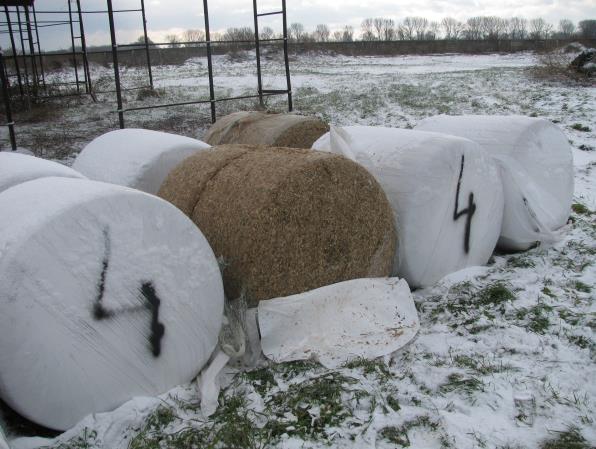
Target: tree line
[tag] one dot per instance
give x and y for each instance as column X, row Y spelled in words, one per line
column 408, row 29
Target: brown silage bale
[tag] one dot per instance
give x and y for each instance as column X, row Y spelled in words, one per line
column 261, row 128
column 285, row 220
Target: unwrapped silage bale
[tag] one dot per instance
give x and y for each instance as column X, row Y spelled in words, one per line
column 536, row 166
column 285, row 220
column 106, row 293
column 261, row 128
column 445, row 193
column 137, row 158
column 16, row 168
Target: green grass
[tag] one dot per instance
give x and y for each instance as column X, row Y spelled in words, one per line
column 580, row 286
column 460, row 384
column 568, row 439
column 323, row 393
column 580, row 209
column 580, row 127
column 480, row 364
column 398, row 435
column 370, row 367
column 521, row 262
column 535, row 318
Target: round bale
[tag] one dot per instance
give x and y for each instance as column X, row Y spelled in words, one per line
column 106, row 293
column 16, row 168
column 261, row 128
column 536, row 165
column 285, row 220
column 137, row 158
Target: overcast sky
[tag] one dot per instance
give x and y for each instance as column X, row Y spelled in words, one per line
column 174, row 16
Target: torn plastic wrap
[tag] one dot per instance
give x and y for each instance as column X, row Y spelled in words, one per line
column 537, row 169
column 106, row 293
column 361, row 318
column 137, row 158
column 445, row 192
column 16, row 168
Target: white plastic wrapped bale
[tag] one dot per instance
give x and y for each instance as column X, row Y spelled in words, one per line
column 445, row 193
column 537, row 170
column 361, row 318
column 16, row 168
column 137, row 158
column 106, row 293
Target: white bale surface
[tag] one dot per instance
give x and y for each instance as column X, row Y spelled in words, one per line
column 106, row 293
column 337, row 323
column 16, row 168
column 537, row 170
column 429, row 179
column 137, row 158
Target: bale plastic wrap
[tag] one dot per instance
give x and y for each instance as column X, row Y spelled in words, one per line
column 16, row 168
column 137, row 158
column 261, row 128
column 536, row 166
column 361, row 318
column 445, row 193
column 106, row 293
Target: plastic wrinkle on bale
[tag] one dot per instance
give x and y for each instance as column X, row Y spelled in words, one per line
column 16, row 168
column 261, row 128
column 285, row 220
column 106, row 293
column 137, row 158
column 361, row 318
column 536, row 166
column 445, row 192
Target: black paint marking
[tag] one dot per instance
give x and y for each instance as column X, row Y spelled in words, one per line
column 99, row 312
column 469, row 211
column 149, row 298
column 157, row 329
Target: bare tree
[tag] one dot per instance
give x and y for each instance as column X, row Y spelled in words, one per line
column 407, row 29
column 321, row 33
column 566, row 28
column 518, row 28
column 296, row 32
column 474, row 28
column 452, row 29
column 367, row 30
column 266, row 33
column 348, row 33
column 420, row 26
column 493, row 27
column 434, row 30
column 173, row 40
column 337, row 36
column 540, row 29
column 239, row 34
column 193, row 36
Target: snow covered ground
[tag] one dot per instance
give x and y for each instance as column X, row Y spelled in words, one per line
column 505, row 357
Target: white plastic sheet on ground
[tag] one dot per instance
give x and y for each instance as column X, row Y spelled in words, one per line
column 106, row 293
column 537, row 170
column 334, row 324
column 16, row 168
column 137, row 158
column 445, row 192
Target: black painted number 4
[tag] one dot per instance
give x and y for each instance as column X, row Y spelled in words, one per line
column 148, row 297
column 468, row 211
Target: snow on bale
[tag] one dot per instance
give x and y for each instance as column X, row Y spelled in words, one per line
column 106, row 293
column 361, row 318
column 445, row 193
column 16, row 168
column 285, row 220
column 536, row 166
column 137, row 158
column 260, row 128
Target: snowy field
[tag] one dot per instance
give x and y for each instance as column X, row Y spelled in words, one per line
column 506, row 354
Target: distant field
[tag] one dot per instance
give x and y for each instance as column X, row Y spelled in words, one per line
column 506, row 353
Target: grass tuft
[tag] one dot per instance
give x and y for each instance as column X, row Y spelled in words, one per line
column 567, row 439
